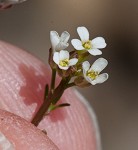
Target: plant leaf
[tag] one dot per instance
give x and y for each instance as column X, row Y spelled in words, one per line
column 53, row 107
column 46, row 91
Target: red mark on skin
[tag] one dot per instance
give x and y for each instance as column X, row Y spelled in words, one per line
column 33, row 90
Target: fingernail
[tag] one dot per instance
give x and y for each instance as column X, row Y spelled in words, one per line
column 5, row 144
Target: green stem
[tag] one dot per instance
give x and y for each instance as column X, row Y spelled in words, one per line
column 70, row 85
column 51, row 98
column 40, row 113
column 60, row 90
column 53, row 80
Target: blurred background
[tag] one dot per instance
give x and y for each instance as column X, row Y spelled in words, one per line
column 115, row 102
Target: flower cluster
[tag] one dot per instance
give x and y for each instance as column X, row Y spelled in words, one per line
column 75, row 62
column 72, row 66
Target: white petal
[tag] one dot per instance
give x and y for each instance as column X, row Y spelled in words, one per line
column 83, row 33
column 54, row 38
column 88, row 79
column 63, row 68
column 95, row 52
column 56, row 57
column 73, row 61
column 99, row 65
column 98, row 42
column 65, row 37
column 100, row 79
column 61, row 46
column 77, row 44
column 63, row 55
column 85, row 65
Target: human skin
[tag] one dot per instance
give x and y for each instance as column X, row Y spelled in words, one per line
column 22, row 81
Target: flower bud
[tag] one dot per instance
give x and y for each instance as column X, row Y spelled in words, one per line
column 81, row 82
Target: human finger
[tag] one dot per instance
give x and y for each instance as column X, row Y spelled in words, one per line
column 23, row 78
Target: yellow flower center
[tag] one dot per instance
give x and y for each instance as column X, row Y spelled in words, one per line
column 87, row 45
column 92, row 74
column 64, row 63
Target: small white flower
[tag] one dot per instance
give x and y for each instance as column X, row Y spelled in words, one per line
column 59, row 43
column 92, row 46
column 92, row 74
column 62, row 59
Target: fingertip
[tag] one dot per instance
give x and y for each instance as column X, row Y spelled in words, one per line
column 23, row 78
column 20, row 134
